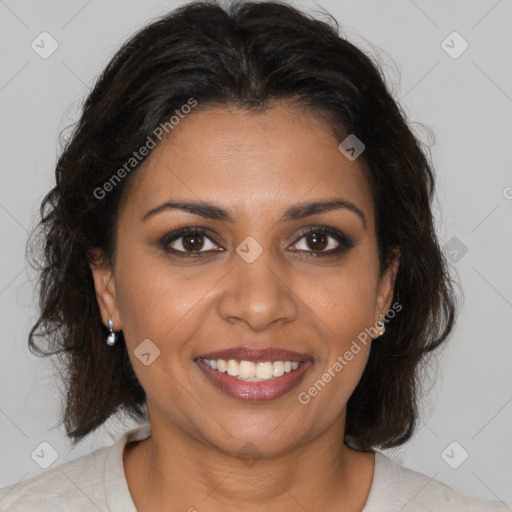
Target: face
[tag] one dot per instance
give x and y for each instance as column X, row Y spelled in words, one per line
column 257, row 273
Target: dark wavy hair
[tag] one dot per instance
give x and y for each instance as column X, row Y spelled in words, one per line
column 248, row 55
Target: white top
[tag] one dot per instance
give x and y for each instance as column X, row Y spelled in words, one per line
column 97, row 482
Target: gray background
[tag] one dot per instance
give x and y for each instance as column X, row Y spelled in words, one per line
column 466, row 101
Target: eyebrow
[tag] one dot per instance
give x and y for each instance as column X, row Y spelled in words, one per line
column 296, row 212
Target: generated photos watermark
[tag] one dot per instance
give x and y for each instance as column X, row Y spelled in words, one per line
column 304, row 397
column 143, row 151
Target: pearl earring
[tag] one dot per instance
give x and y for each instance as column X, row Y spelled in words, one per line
column 112, row 336
column 380, row 325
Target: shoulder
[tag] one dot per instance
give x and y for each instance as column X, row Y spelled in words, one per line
column 76, row 485
column 71, row 482
column 396, row 487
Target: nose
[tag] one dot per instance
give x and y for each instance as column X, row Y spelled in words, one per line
column 258, row 294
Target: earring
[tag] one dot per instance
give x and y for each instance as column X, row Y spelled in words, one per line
column 112, row 336
column 380, row 325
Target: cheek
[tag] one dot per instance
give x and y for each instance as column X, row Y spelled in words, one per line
column 159, row 305
column 345, row 309
column 143, row 283
column 167, row 304
column 344, row 298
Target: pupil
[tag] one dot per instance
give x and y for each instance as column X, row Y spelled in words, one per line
column 318, row 238
column 193, row 242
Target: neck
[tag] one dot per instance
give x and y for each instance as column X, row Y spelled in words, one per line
column 172, row 469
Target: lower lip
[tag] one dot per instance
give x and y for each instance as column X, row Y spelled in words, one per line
column 256, row 391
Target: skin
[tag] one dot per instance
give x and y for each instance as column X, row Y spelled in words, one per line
column 256, row 166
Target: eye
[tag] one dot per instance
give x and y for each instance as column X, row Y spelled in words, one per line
column 197, row 242
column 189, row 242
column 323, row 241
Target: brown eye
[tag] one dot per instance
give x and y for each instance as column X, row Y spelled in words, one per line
column 323, row 241
column 189, row 241
column 317, row 241
column 193, row 242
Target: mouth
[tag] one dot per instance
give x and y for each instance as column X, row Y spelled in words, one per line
column 254, row 374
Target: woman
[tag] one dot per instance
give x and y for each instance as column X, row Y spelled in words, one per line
column 240, row 250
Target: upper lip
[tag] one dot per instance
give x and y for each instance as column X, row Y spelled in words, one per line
column 257, row 354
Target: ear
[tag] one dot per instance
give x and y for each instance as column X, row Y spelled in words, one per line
column 104, row 285
column 387, row 284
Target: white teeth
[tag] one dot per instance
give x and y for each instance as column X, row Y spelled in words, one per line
column 250, row 371
column 232, row 368
column 278, row 368
column 247, row 369
column 264, row 370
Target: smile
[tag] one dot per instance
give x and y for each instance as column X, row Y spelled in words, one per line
column 247, row 373
column 250, row 371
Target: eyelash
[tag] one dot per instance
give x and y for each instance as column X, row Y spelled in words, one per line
column 344, row 241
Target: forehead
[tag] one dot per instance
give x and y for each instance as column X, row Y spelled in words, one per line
column 249, row 162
